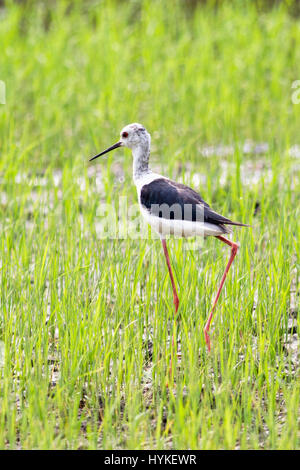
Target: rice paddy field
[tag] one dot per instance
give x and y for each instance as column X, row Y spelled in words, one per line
column 86, row 315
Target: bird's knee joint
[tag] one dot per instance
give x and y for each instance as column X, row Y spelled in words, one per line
column 234, row 248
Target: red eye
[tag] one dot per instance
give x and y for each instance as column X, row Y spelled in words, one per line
column 125, row 134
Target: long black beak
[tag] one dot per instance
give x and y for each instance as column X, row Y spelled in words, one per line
column 115, row 146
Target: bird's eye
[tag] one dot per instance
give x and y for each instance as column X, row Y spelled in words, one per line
column 125, row 134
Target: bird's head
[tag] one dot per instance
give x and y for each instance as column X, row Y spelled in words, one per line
column 131, row 136
column 134, row 135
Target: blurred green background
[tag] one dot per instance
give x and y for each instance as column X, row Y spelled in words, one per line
column 215, row 71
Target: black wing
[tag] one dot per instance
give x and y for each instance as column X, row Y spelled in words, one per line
column 168, row 199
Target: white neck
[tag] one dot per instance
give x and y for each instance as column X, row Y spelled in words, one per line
column 141, row 154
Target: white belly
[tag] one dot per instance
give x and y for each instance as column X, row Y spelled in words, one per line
column 180, row 228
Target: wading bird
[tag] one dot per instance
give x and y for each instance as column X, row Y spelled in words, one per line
column 172, row 208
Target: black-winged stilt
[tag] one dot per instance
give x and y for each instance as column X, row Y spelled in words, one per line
column 172, row 208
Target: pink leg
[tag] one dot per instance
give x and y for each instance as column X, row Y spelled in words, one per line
column 176, row 301
column 234, row 249
column 175, row 296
